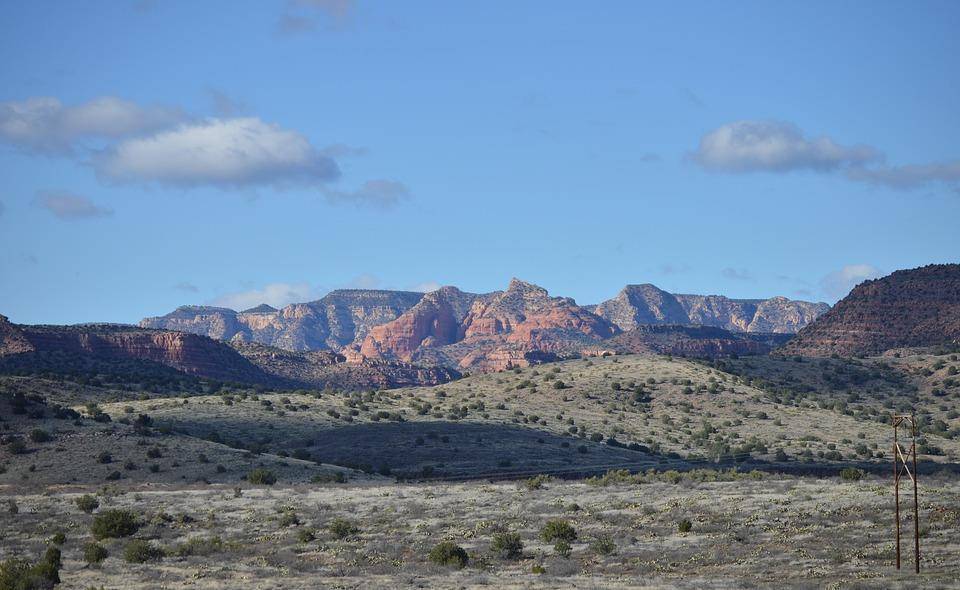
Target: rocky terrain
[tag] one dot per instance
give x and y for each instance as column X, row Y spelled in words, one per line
column 519, row 326
column 338, row 319
column 693, row 341
column 26, row 347
column 127, row 351
column 917, row 307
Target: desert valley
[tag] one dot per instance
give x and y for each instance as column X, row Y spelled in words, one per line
column 510, row 439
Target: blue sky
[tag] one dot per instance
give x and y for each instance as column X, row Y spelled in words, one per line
column 154, row 154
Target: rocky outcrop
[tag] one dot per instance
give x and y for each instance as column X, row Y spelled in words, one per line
column 487, row 332
column 918, row 307
column 433, row 322
column 12, row 339
column 638, row 305
column 338, row 319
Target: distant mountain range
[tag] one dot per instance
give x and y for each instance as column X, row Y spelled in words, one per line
column 452, row 328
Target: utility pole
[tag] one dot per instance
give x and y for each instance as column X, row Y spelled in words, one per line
column 901, row 465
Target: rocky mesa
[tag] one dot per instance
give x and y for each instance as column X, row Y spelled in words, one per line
column 917, row 307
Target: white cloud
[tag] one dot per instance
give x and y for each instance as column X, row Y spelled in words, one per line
column 774, row 146
column 839, row 282
column 275, row 294
column 45, row 125
column 378, row 193
column 426, row 287
column 910, row 176
column 219, row 152
column 69, row 206
column 187, row 287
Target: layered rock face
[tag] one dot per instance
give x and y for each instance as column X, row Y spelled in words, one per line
column 918, row 307
column 495, row 331
column 638, row 305
column 189, row 353
column 336, row 320
column 434, row 321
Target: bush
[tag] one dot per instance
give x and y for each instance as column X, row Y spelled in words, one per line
column 562, row 548
column 851, row 474
column 536, row 482
column 17, row 446
column 450, row 554
column 603, row 546
column 58, row 539
column 87, row 503
column 104, row 458
column 39, row 435
column 18, row 574
column 507, row 545
column 262, row 476
column 199, row 546
column 342, row 528
column 140, row 551
column 94, row 553
column 113, row 524
column 558, row 530
column 305, row 535
column 684, row 525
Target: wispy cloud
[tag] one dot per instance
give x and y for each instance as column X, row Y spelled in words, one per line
column 377, row 193
column 186, row 287
column 737, row 274
column 274, row 294
column 45, row 125
column 426, row 287
column 302, row 16
column 778, row 146
column 838, row 283
column 70, row 206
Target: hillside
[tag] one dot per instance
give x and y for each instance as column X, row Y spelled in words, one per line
column 908, row 308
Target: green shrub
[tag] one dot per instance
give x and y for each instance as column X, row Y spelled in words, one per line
column 289, row 518
column 104, row 457
column 39, row 435
column 851, row 474
column 536, row 482
column 18, row 574
column 507, row 545
column 140, row 551
column 342, row 528
column 562, row 548
column 450, row 554
column 260, row 476
column 538, row 569
column 199, row 546
column 113, row 524
column 94, row 553
column 603, row 546
column 305, row 535
column 557, row 530
column 684, row 525
column 58, row 539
